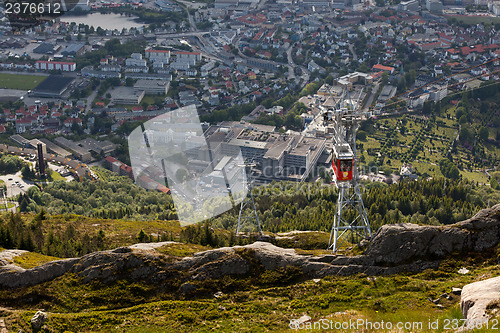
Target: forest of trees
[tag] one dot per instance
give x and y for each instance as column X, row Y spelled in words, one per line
column 113, row 197
column 15, row 233
column 10, row 164
column 282, row 207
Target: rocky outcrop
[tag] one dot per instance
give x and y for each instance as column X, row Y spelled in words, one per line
column 394, row 249
column 478, row 298
column 403, row 243
column 37, row 321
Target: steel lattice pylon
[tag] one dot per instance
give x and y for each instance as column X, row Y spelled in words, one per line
column 249, row 202
column 349, row 196
column 346, row 117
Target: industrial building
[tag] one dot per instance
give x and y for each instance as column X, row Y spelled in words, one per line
column 79, row 152
column 154, row 87
column 278, row 156
column 73, row 50
column 53, row 87
column 126, row 95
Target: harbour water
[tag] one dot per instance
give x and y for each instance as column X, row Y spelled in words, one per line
column 105, row 21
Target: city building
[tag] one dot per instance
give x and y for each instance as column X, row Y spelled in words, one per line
column 158, row 55
column 154, row 87
column 52, row 87
column 126, row 95
column 278, row 156
column 55, row 65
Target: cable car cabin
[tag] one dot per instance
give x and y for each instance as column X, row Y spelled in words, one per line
column 342, row 162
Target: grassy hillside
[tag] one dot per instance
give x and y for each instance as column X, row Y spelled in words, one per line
column 256, row 303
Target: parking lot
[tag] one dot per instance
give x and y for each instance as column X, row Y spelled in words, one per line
column 16, row 184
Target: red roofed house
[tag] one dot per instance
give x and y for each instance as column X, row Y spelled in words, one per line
column 69, row 122
column 382, row 68
column 118, row 167
column 56, row 65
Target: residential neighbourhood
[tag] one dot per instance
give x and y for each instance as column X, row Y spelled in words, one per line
column 243, row 60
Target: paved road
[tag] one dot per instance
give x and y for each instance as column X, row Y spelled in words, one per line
column 354, row 55
column 14, row 183
column 89, row 101
column 291, row 64
column 369, row 101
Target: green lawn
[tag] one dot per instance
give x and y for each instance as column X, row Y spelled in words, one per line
column 151, row 99
column 21, row 82
column 475, row 19
column 9, row 205
column 478, row 177
column 57, row 176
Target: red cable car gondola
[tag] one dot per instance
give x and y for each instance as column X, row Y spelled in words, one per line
column 342, row 162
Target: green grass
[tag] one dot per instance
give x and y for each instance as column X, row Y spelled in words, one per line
column 475, row 19
column 257, row 303
column 56, row 176
column 9, row 205
column 478, row 177
column 151, row 99
column 21, row 82
column 31, row 259
column 181, row 249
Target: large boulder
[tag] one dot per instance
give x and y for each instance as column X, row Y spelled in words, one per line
column 38, row 320
column 396, row 244
column 478, row 298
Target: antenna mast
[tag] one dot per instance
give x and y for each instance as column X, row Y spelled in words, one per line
column 346, row 117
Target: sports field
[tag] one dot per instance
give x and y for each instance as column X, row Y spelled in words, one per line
column 475, row 19
column 20, row 81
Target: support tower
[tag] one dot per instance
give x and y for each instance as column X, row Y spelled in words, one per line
column 350, row 215
column 248, row 202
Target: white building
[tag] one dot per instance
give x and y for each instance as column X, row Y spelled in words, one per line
column 196, row 56
column 158, row 55
column 55, row 65
column 135, row 60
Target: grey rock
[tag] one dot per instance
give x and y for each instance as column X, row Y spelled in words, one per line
column 456, row 291
column 477, row 297
column 463, row 271
column 38, row 320
column 187, row 288
column 3, row 328
column 394, row 249
column 400, row 243
column 218, row 294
